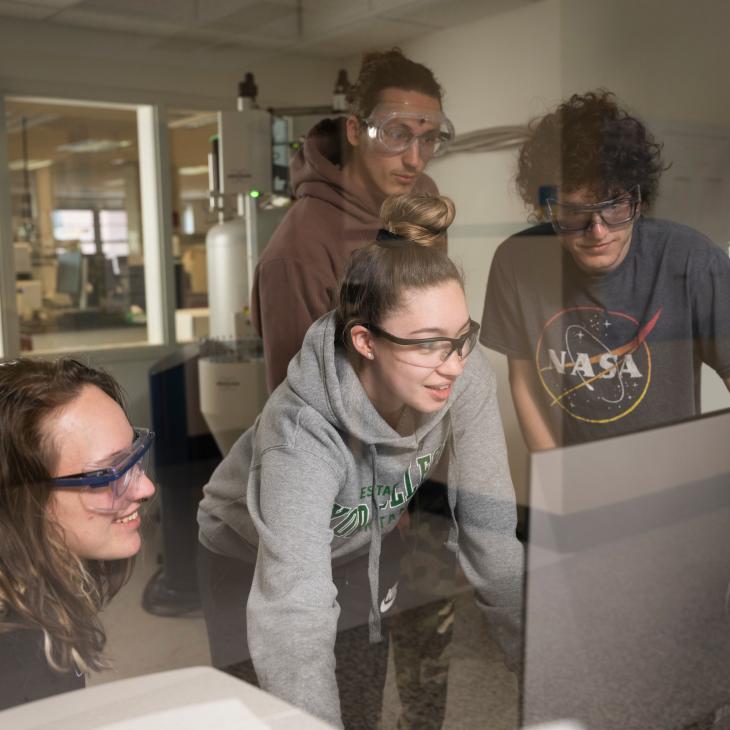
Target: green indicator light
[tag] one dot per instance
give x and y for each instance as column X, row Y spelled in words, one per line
column 255, row 194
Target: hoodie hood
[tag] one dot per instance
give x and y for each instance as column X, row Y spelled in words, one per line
column 323, row 377
column 316, row 172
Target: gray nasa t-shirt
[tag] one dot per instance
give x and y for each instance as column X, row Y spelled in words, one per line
column 617, row 352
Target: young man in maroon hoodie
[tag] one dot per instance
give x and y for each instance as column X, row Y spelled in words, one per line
column 341, row 175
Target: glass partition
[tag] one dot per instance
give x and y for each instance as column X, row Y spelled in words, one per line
column 76, row 223
column 190, row 133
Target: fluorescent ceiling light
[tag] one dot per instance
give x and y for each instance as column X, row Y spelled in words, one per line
column 194, row 120
column 17, row 165
column 193, row 170
column 95, row 145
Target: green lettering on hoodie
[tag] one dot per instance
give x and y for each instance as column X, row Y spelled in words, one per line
column 397, row 499
column 409, row 484
column 424, row 464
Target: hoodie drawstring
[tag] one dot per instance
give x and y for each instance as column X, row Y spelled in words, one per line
column 376, row 533
column 451, row 492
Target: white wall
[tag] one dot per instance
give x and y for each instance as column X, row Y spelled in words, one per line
column 501, row 70
column 667, row 60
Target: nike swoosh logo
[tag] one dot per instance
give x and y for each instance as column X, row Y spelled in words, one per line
column 389, row 599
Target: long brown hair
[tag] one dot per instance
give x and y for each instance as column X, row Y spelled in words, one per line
column 413, row 256
column 43, row 585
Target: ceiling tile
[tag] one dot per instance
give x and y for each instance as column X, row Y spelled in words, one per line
column 440, row 14
column 134, row 24
column 180, row 11
column 56, row 4
column 14, row 9
column 384, row 6
column 286, row 28
column 367, row 34
column 252, row 17
column 326, row 28
column 184, row 43
column 320, row 16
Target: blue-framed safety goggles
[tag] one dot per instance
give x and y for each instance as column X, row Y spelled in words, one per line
column 103, row 488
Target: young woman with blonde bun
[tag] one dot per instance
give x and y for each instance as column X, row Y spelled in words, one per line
column 307, row 500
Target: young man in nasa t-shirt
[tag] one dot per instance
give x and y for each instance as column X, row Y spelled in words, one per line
column 605, row 315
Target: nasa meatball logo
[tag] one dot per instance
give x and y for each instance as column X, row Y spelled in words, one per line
column 595, row 364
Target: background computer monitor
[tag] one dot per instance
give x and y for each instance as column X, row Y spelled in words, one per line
column 627, row 616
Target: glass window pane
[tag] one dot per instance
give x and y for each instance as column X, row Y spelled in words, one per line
column 74, row 171
column 190, row 132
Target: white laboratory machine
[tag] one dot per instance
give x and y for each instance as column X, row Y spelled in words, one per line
column 231, row 367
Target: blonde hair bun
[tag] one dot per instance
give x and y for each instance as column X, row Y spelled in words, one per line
column 423, row 219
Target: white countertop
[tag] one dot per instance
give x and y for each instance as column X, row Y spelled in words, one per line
column 174, row 699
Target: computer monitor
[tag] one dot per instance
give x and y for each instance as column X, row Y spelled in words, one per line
column 627, row 604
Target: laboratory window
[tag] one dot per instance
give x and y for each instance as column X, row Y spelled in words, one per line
column 76, row 224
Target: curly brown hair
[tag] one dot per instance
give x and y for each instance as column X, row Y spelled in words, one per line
column 43, row 585
column 389, row 69
column 589, row 142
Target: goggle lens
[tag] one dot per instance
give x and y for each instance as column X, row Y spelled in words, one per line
column 613, row 214
column 396, row 127
column 113, row 496
column 398, row 137
column 105, row 488
column 431, row 353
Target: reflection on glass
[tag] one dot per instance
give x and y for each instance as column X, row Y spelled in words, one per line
column 76, row 223
column 190, row 132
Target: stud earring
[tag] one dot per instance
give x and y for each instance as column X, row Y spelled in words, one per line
column 371, row 356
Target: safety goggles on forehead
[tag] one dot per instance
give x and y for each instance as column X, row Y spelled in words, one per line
column 395, row 127
column 431, row 351
column 614, row 213
column 103, row 488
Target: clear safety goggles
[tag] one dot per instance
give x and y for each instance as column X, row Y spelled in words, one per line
column 431, row 352
column 104, row 488
column 395, row 127
column 614, row 213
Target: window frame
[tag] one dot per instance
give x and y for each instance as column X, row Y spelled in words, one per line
column 156, row 214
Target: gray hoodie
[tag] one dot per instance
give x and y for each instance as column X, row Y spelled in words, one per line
column 300, row 488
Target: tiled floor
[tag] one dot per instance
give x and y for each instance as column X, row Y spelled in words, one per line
column 481, row 692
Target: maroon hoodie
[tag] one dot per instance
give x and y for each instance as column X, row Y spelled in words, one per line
column 297, row 275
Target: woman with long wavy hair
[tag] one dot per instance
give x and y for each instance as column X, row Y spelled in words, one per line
column 72, row 482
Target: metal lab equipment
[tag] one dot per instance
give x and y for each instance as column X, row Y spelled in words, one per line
column 231, row 373
column 232, row 386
